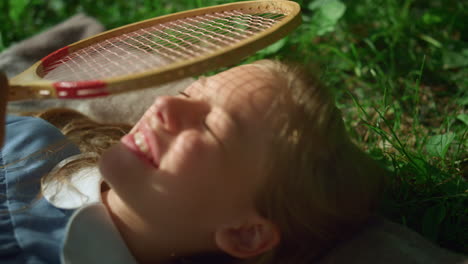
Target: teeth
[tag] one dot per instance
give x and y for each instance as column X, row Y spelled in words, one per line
column 141, row 142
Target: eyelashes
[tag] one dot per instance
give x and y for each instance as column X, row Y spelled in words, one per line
column 204, row 120
column 223, row 147
column 184, row 94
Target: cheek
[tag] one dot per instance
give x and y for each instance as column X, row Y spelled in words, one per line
column 190, row 153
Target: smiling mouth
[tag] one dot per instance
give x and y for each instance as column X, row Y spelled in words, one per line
column 138, row 144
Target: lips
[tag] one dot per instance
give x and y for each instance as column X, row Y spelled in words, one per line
column 143, row 143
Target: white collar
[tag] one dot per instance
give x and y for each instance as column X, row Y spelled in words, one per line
column 90, row 236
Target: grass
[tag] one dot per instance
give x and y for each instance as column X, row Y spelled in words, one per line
column 399, row 70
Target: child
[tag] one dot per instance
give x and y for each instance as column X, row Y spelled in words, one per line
column 250, row 165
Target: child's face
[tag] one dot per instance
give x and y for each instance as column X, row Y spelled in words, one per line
column 197, row 159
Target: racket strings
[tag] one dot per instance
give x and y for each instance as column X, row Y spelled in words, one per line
column 159, row 45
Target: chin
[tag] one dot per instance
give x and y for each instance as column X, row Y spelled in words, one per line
column 118, row 165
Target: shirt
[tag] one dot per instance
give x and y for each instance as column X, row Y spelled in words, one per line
column 62, row 226
column 90, row 235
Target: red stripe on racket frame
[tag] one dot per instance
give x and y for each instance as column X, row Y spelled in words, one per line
column 82, row 89
column 54, row 57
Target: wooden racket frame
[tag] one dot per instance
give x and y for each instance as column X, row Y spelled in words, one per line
column 30, row 85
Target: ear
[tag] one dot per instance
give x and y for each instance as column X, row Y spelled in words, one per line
column 250, row 239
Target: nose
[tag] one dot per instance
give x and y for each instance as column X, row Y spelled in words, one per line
column 176, row 113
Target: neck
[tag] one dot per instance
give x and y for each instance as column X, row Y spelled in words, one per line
column 141, row 242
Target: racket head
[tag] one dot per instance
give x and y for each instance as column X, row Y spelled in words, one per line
column 173, row 43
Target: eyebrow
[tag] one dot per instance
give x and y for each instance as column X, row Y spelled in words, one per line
column 202, row 79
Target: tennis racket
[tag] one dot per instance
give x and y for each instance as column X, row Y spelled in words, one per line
column 157, row 51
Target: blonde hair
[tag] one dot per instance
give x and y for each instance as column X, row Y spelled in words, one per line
column 320, row 186
column 91, row 137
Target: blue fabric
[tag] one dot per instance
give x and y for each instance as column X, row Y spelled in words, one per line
column 31, row 229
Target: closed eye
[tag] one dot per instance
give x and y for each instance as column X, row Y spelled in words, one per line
column 204, row 120
column 223, row 147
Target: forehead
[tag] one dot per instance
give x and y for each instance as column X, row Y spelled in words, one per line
column 247, row 85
